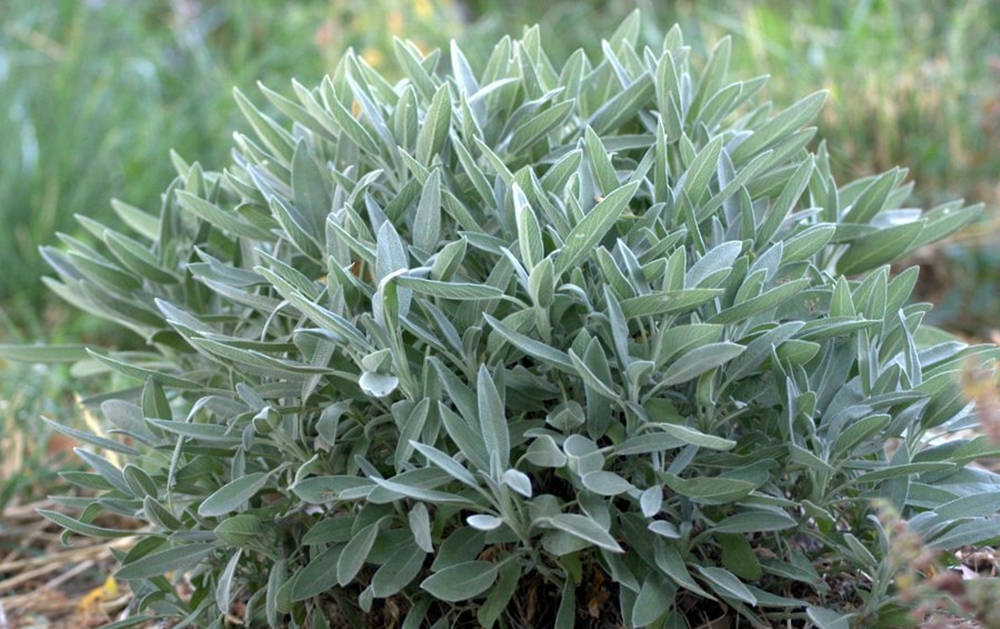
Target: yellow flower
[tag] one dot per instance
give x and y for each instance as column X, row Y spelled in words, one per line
column 394, row 22
column 106, row 592
column 423, row 8
column 373, row 56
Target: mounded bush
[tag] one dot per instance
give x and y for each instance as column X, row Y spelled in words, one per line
column 523, row 345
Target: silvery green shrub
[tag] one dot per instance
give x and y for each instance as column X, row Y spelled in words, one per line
column 427, row 347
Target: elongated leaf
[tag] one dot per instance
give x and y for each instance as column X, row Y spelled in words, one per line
column 395, row 574
column 605, row 483
column 710, row 488
column 807, row 243
column 781, row 125
column 355, row 553
column 654, row 599
column 698, row 361
column 500, row 595
column 765, row 301
column 585, row 528
column 535, row 128
column 420, row 526
column 82, row 528
column 976, row 505
column 352, row 128
column 320, row 489
column 218, row 217
column 532, row 347
column 460, row 291
column 492, row 418
column 669, row 561
column 84, row 437
column 664, row 302
column 461, row 581
column 714, row 260
column 420, row 493
column 754, row 521
column 230, row 496
column 164, row 561
column 468, row 440
column 725, row 583
column 827, row 618
column 701, row 170
column 623, row 105
column 783, row 205
column 319, row 575
column 695, row 437
column 309, row 187
column 427, row 220
column 529, row 234
column 594, row 226
column 876, row 249
column 434, row 130
column 446, row 463
column 44, row 353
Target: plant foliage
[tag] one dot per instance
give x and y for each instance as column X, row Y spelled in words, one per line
column 428, row 346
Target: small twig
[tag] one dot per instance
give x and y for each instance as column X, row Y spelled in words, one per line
column 109, row 607
column 27, row 511
column 66, row 556
column 69, row 574
column 30, row 535
column 21, row 532
column 28, row 575
column 38, row 41
column 18, row 601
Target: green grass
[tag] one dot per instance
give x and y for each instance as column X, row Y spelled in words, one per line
column 31, row 457
column 91, row 100
column 93, row 95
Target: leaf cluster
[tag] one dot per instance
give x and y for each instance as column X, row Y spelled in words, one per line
column 422, row 341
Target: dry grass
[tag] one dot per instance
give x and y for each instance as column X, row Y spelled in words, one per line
column 44, row 583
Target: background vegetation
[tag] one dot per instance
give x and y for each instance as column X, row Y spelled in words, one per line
column 94, row 94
